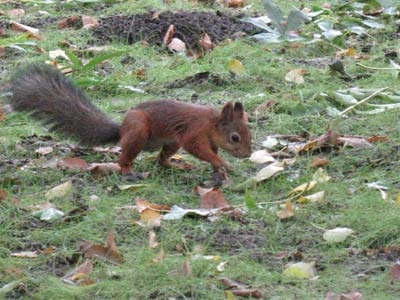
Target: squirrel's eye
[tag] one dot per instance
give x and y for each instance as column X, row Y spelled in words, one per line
column 235, row 138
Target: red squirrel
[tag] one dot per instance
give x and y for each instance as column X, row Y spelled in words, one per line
column 165, row 124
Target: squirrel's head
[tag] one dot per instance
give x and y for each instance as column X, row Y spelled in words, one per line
column 234, row 134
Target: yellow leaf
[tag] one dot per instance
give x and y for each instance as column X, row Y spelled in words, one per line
column 150, row 218
column 236, row 67
column 300, row 270
column 303, row 187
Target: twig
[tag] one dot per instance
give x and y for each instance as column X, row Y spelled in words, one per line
column 362, row 101
column 377, row 68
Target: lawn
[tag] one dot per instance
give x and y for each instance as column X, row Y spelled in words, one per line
column 322, row 93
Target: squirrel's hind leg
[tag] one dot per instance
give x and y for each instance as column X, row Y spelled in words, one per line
column 166, row 152
column 134, row 136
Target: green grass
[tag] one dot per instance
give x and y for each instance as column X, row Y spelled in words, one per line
column 250, row 245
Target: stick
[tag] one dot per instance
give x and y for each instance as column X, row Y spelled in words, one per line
column 377, row 68
column 362, row 101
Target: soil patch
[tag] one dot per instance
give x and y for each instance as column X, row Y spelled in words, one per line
column 189, row 26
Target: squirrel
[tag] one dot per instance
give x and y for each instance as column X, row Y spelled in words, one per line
column 168, row 125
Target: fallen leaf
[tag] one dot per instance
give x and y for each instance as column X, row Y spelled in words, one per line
column 169, row 35
column 3, row 194
column 205, row 42
column 49, row 250
column 1, row 110
column 177, row 45
column 79, row 273
column 89, row 22
column 177, row 213
column 350, row 52
column 44, row 150
column 321, row 175
column 49, row 214
column 142, row 205
column 240, row 289
column 395, row 271
column 103, row 169
column 355, row 142
column 295, row 76
column 337, row 235
column 73, row 163
column 109, row 251
column 300, row 270
column 287, row 212
column 314, row 198
column 33, row 32
column 235, row 3
column 150, row 218
column 261, row 157
column 211, row 198
column 25, row 254
column 53, row 54
column 186, row 268
column 353, row 295
column 235, row 67
column 59, row 191
column 153, row 240
column 319, row 162
column 303, row 187
column 72, row 21
column 378, row 139
column 269, row 171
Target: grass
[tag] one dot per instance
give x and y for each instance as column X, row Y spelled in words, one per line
column 249, row 246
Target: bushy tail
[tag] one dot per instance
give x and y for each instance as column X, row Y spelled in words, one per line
column 53, row 99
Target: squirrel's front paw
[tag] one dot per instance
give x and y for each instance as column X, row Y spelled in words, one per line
column 133, row 176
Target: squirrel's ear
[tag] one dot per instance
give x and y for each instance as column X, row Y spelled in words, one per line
column 227, row 113
column 239, row 110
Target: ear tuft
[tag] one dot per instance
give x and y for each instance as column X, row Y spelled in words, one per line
column 227, row 113
column 239, row 110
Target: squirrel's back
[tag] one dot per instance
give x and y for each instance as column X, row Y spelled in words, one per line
column 53, row 99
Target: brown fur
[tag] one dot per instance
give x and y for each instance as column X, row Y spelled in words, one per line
column 166, row 124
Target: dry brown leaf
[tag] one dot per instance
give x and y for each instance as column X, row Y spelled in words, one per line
column 3, row 194
column 142, row 205
column 73, row 163
column 169, row 35
column 33, row 32
column 235, row 3
column 319, row 161
column 49, row 250
column 71, row 21
column 102, row 169
column 89, row 22
column 2, row 53
column 177, row 45
column 240, row 289
column 287, row 212
column 59, row 191
column 25, row 254
column 205, row 42
column 378, row 139
column 395, row 271
column 108, row 252
column 79, row 273
column 150, row 218
column 211, row 198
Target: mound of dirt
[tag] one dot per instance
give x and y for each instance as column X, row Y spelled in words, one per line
column 189, row 26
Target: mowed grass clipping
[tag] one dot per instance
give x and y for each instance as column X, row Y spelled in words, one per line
column 252, row 248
